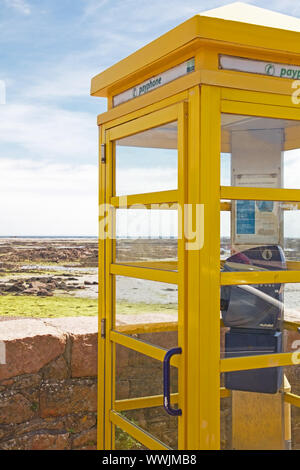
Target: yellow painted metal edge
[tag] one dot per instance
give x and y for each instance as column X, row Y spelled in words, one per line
column 224, row 392
column 291, row 325
column 182, row 271
column 142, row 347
column 260, row 194
column 259, row 277
column 293, row 265
column 140, row 328
column 109, row 295
column 192, row 342
column 144, row 402
column 292, row 399
column 249, row 35
column 154, row 401
column 208, row 335
column 101, row 303
column 258, row 362
column 172, row 93
column 159, row 197
column 137, row 433
column 248, row 82
column 160, row 265
column 148, row 121
column 262, row 110
column 268, row 97
column 150, row 274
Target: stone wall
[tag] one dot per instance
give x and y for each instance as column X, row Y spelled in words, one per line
column 48, row 395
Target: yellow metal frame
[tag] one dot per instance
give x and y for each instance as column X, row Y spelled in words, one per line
column 272, row 106
column 199, row 320
column 114, row 334
column 196, row 101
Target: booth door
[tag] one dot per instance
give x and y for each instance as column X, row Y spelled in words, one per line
column 142, row 312
column 260, row 260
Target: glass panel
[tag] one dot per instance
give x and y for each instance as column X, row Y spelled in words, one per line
column 147, row 310
column 225, row 414
column 147, row 161
column 260, row 152
column 253, row 325
column 260, row 235
column 251, row 420
column 146, row 237
column 258, row 421
column 123, row 441
column 139, row 376
column 292, row 374
column 263, row 307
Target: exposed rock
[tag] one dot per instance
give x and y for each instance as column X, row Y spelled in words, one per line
column 40, row 286
column 50, row 442
column 86, row 440
column 56, row 370
column 21, row 443
column 44, row 292
column 62, row 399
column 15, row 408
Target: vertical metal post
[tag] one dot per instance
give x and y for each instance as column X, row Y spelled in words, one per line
column 203, row 384
column 209, row 328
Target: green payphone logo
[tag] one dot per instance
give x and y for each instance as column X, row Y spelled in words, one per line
column 270, row 69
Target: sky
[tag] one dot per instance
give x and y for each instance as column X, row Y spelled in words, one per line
column 50, row 50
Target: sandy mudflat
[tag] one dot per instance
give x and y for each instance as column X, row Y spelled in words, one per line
column 74, row 261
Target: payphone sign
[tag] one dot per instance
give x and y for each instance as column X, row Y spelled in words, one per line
column 155, row 82
column 240, row 64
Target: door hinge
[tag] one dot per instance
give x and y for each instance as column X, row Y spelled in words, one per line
column 103, row 153
column 103, row 328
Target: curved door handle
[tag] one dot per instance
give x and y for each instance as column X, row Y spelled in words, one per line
column 166, row 371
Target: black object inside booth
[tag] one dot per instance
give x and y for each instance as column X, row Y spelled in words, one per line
column 255, row 315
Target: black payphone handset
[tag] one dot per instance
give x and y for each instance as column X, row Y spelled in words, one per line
column 254, row 315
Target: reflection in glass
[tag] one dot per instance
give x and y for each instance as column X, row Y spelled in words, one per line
column 260, row 152
column 124, row 441
column 137, row 376
column 147, row 161
column 253, row 232
column 150, row 307
column 146, row 237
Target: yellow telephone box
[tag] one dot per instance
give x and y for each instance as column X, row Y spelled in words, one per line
column 199, row 246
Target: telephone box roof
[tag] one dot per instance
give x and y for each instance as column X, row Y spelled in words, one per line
column 245, row 13
column 238, row 24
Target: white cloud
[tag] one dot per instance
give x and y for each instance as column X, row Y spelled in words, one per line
column 49, row 132
column 47, row 199
column 67, row 82
column 20, row 5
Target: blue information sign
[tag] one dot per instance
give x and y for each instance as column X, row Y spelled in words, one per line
column 245, row 217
